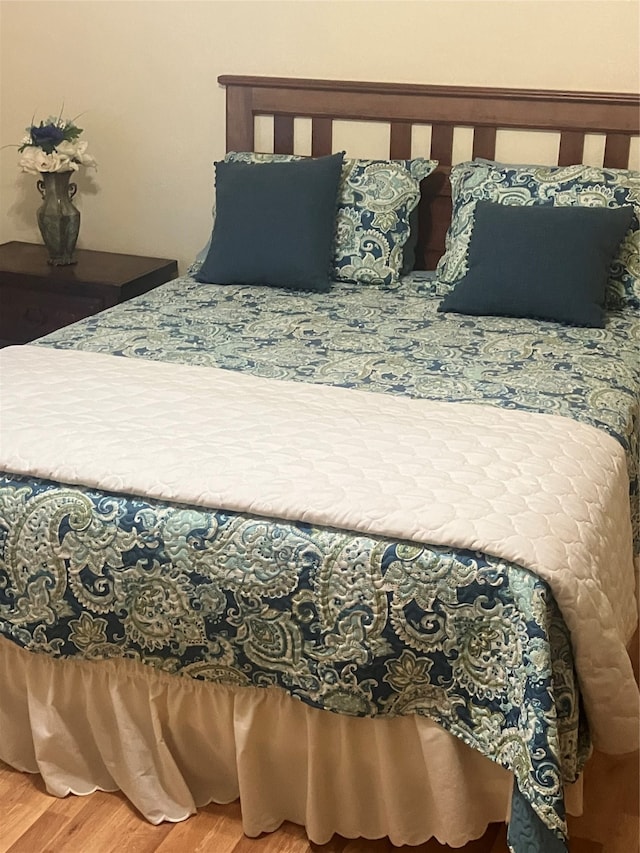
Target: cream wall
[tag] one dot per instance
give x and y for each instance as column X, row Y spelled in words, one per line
column 143, row 75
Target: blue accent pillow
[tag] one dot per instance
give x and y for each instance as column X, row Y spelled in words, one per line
column 540, row 261
column 275, row 224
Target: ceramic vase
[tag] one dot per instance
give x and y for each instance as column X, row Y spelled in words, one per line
column 58, row 217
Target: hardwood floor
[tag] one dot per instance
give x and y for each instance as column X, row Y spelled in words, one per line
column 31, row 821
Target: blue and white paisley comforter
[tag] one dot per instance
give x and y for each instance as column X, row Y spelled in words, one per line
column 355, row 624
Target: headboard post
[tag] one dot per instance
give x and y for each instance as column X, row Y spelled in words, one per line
column 239, row 124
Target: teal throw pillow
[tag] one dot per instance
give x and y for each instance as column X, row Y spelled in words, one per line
column 540, row 261
column 275, row 224
column 560, row 186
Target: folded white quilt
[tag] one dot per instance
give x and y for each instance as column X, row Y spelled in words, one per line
column 542, row 491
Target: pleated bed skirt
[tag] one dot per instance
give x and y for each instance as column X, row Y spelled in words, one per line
column 172, row 744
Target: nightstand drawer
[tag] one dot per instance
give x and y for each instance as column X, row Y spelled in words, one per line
column 28, row 314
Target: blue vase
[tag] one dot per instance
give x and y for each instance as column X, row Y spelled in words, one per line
column 58, row 217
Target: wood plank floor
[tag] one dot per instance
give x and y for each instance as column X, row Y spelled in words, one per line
column 31, row 821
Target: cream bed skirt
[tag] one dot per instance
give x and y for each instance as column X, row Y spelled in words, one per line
column 172, row 744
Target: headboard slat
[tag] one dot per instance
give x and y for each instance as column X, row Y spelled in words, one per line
column 616, row 151
column 283, row 134
column 400, row 141
column 571, row 148
column 321, row 137
column 484, row 142
column 442, row 143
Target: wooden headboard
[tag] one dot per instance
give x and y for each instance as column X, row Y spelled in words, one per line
column 572, row 114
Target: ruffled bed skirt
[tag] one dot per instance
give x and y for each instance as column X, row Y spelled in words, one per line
column 172, row 744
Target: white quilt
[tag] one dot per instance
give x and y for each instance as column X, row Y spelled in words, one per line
column 539, row 490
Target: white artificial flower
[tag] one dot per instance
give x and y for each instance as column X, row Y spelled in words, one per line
column 59, row 163
column 87, row 160
column 33, row 160
column 68, row 149
column 81, row 154
column 76, row 150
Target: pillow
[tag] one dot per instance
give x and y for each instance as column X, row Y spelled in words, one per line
column 376, row 200
column 411, row 246
column 275, row 224
column 562, row 186
column 374, row 217
column 540, row 261
column 200, row 258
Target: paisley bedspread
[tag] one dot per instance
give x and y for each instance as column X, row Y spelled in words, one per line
column 356, row 624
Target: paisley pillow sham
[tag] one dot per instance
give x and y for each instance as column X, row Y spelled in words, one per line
column 375, row 203
column 562, row 186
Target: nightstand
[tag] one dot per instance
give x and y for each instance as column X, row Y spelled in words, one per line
column 36, row 298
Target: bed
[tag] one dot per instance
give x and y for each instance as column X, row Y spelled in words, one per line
column 357, row 552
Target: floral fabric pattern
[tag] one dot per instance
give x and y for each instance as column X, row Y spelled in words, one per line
column 557, row 185
column 349, row 623
column 376, row 199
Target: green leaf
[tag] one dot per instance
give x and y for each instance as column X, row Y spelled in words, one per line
column 72, row 132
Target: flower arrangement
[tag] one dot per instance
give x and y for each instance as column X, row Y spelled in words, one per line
column 53, row 146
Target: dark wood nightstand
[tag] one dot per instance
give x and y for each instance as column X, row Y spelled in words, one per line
column 36, row 298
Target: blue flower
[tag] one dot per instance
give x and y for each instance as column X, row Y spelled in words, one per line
column 46, row 136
